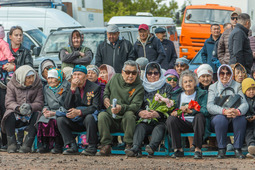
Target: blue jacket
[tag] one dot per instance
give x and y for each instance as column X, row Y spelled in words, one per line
column 154, row 50
column 207, row 52
column 169, row 61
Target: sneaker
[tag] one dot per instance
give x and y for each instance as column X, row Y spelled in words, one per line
column 198, row 155
column 250, row 156
column 149, row 150
column 178, row 154
column 251, row 149
column 230, row 147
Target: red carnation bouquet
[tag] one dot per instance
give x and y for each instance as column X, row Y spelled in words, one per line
column 100, row 80
column 192, row 105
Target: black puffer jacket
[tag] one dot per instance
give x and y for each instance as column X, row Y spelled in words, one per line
column 116, row 55
column 239, row 47
column 22, row 57
column 153, row 51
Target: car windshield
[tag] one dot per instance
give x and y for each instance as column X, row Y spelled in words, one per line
column 37, row 35
column 56, row 42
column 197, row 59
column 207, row 16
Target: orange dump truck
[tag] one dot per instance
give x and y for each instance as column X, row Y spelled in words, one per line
column 196, row 25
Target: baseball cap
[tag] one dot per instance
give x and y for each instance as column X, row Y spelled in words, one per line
column 112, row 28
column 143, row 26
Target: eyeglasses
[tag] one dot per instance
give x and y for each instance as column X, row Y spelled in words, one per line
column 48, row 67
column 130, row 72
column 233, row 18
column 155, row 73
column 170, row 78
column 225, row 73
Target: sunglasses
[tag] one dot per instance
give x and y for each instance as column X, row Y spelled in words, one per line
column 180, row 64
column 130, row 72
column 233, row 18
column 155, row 73
column 223, row 73
column 171, row 78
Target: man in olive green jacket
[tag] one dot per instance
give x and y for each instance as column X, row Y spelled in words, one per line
column 128, row 90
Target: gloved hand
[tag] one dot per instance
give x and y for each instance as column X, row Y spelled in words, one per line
column 25, row 109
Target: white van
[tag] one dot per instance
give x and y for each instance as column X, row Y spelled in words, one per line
column 46, row 19
column 33, row 38
column 152, row 22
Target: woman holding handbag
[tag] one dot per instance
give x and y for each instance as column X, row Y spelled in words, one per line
column 227, row 106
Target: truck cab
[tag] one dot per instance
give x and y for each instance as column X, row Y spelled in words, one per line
column 196, row 25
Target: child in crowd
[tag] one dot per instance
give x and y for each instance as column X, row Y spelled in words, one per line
column 248, row 88
column 5, row 57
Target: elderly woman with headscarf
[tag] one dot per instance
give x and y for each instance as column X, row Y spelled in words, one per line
column 24, row 100
column 239, row 72
column 205, row 76
column 172, row 78
column 75, row 53
column 54, row 96
column 224, row 118
column 106, row 73
column 192, row 120
column 153, row 81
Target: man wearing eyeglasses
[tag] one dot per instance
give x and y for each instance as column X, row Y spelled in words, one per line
column 239, row 44
column 128, row 90
column 223, row 52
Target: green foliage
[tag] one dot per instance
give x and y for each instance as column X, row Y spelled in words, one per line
column 131, row 7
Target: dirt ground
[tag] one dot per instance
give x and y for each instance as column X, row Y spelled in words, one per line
column 49, row 161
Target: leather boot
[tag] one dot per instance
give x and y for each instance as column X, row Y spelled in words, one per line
column 26, row 146
column 105, row 151
column 12, row 144
column 58, row 148
column 72, row 150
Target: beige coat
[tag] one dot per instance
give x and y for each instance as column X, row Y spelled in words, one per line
column 17, row 93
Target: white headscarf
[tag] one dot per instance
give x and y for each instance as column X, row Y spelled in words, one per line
column 152, row 86
column 230, row 78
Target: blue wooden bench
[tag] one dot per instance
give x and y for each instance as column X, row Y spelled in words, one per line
column 165, row 151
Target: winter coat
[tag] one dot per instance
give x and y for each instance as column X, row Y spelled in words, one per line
column 207, row 52
column 22, row 57
column 169, row 61
column 5, row 52
column 44, row 81
column 153, row 50
column 129, row 96
column 18, row 93
column 114, row 55
column 55, row 101
column 251, row 103
column 91, row 98
column 252, row 44
column 70, row 56
column 239, row 47
column 215, row 91
column 201, row 98
column 150, row 95
column 223, row 52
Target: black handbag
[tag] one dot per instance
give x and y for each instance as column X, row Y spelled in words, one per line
column 228, row 101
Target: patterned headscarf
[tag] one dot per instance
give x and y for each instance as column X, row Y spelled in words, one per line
column 59, row 76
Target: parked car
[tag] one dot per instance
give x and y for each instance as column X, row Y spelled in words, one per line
column 92, row 38
column 196, row 61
